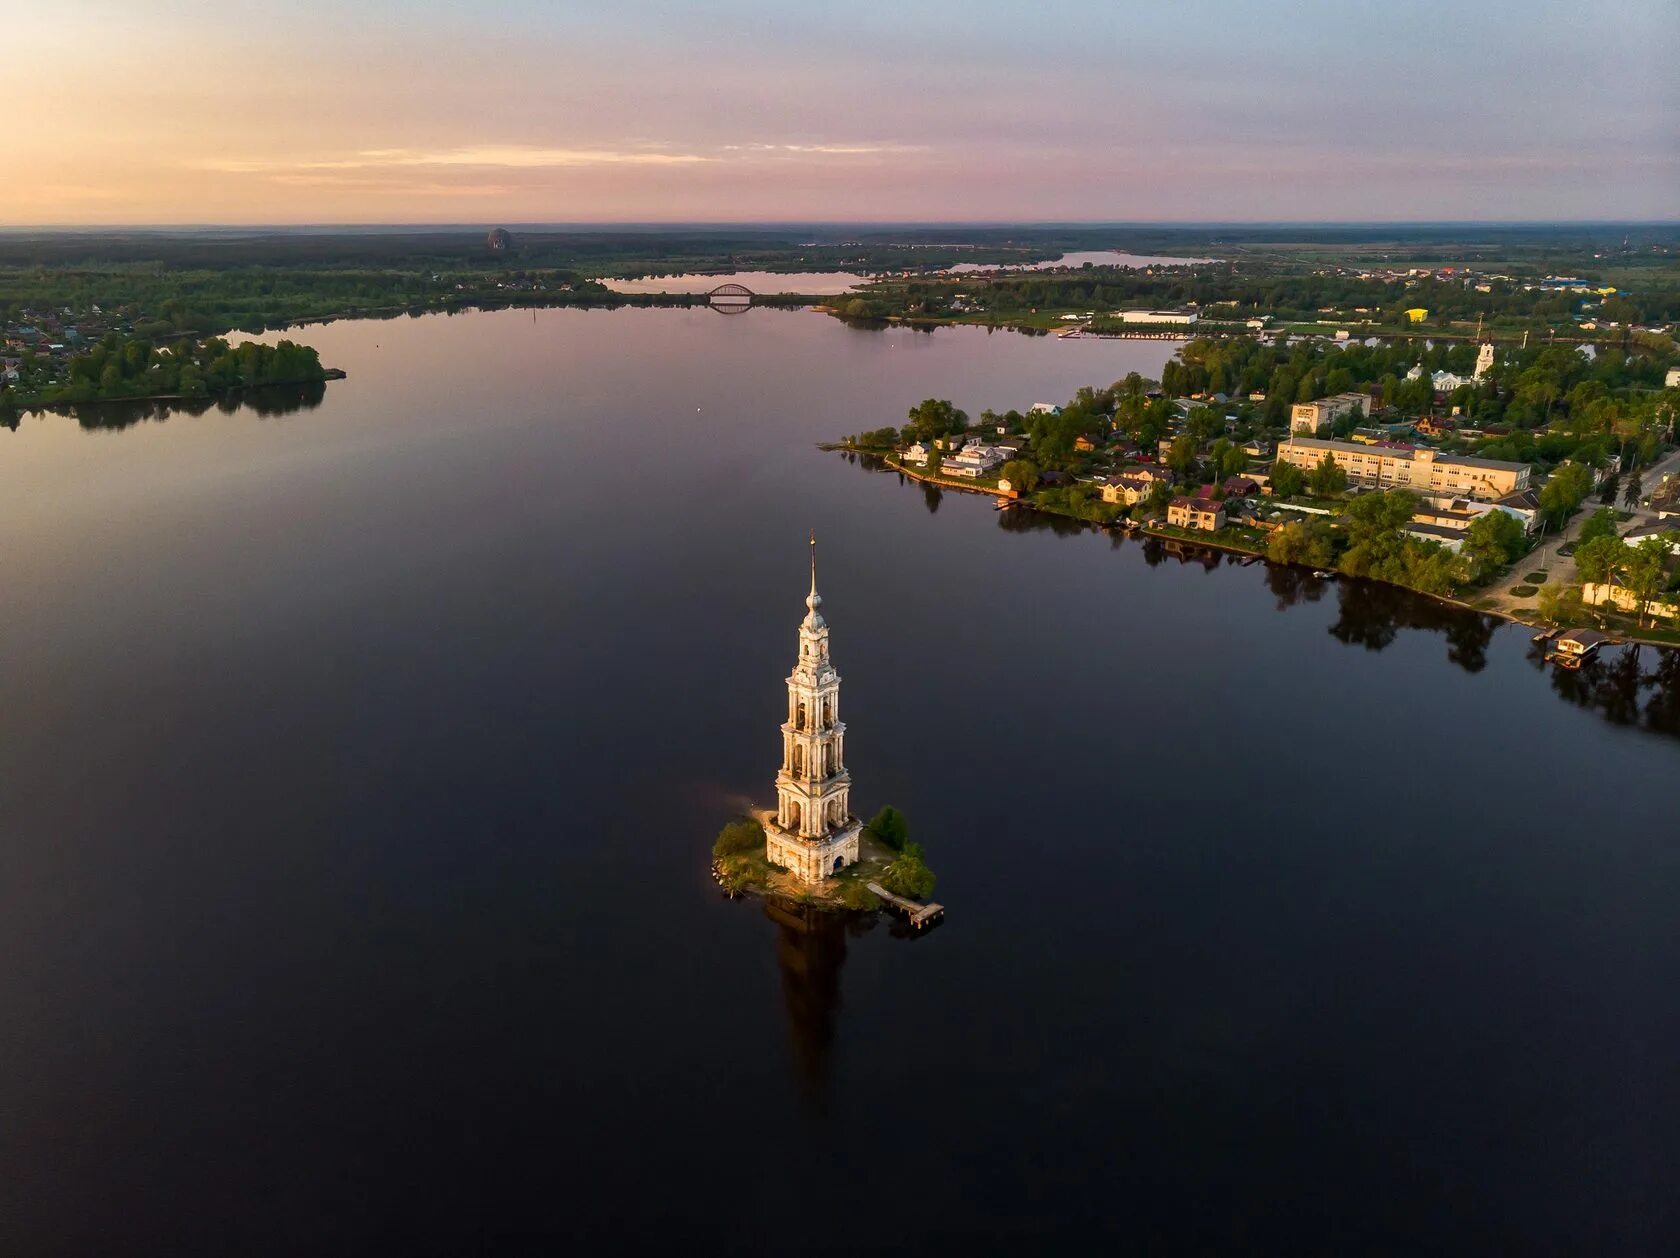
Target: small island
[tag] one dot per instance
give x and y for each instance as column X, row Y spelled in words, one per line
column 886, row 858
column 810, row 848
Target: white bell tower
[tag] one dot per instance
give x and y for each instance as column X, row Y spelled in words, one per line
column 813, row 832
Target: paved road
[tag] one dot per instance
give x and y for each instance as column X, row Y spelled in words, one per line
column 1560, row 569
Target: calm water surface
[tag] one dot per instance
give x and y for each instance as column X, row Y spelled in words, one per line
column 821, row 283
column 1093, row 257
column 358, row 766
column 809, row 283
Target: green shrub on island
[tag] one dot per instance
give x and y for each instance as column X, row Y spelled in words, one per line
column 909, row 875
column 889, row 828
column 876, row 439
column 1524, row 591
column 855, row 895
column 738, row 838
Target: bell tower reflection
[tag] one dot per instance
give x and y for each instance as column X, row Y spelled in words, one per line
column 810, row 949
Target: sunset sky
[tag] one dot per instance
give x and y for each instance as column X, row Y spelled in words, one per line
column 338, row 111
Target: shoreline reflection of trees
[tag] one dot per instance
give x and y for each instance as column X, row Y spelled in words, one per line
column 1371, row 614
column 1613, row 684
column 267, row 402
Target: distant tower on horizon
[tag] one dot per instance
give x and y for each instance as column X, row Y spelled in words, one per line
column 1484, row 359
column 500, row 240
column 813, row 832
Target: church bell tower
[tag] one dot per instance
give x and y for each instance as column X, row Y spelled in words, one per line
column 813, row 833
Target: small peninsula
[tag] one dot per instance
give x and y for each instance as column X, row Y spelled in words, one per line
column 1539, row 484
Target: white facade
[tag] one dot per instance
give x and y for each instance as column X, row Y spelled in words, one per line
column 1313, row 417
column 975, row 460
column 1156, row 316
column 1484, row 359
column 813, row 833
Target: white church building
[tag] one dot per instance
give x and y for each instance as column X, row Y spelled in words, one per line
column 813, row 832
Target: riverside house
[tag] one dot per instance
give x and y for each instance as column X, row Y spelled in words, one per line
column 1127, row 489
column 972, row 462
column 1202, row 514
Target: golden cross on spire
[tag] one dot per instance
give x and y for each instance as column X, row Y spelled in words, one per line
column 813, row 561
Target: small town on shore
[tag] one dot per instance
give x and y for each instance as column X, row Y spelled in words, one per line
column 1541, row 485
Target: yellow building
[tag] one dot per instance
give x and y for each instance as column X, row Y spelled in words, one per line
column 1417, row 314
column 1399, row 467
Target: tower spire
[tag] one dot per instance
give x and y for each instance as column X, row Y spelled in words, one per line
column 813, row 833
column 813, row 600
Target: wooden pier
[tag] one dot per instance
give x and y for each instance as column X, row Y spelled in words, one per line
column 919, row 914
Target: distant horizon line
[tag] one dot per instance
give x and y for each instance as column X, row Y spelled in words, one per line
column 726, row 223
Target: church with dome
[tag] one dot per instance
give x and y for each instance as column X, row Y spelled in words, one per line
column 812, row 832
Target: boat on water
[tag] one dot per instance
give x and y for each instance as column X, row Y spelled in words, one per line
column 1576, row 646
column 1323, row 574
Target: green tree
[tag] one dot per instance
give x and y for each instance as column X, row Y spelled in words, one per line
column 738, row 837
column 1566, row 489
column 1647, row 571
column 1634, row 489
column 1376, row 526
column 1301, row 542
column 1602, row 523
column 889, row 827
column 1287, row 480
column 1021, row 475
column 908, row 875
column 1328, row 478
column 1560, row 604
column 1599, row 561
column 935, row 417
column 1181, row 455
column 1493, row 540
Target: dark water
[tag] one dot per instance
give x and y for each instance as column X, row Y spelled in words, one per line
column 358, row 765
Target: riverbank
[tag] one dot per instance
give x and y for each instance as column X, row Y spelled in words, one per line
column 33, row 403
column 1480, row 601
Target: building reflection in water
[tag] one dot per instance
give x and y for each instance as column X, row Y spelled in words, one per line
column 810, row 949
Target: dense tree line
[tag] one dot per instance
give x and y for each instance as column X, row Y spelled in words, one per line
column 1241, row 292
column 1543, row 404
column 134, row 367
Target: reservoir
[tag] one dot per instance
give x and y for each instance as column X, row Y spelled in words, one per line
column 360, row 760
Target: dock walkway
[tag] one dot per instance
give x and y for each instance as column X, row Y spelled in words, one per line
column 919, row 914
